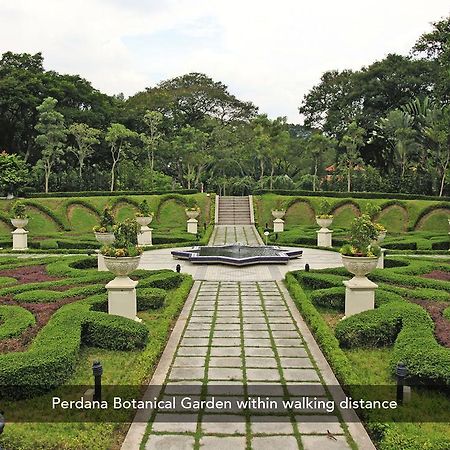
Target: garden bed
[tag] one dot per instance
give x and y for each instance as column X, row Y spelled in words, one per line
column 364, row 349
column 65, row 334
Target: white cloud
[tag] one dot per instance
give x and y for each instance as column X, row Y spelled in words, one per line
column 268, row 52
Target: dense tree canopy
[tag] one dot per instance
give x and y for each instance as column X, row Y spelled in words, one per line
column 383, row 127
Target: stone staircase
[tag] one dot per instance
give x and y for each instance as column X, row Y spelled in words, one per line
column 234, row 211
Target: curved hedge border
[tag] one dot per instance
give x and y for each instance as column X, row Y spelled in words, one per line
column 14, row 320
column 48, row 212
column 80, row 202
column 428, row 209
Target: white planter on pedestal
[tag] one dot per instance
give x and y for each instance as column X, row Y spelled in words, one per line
column 122, row 290
column 19, row 235
column 324, row 235
column 144, row 237
column 360, row 291
column 104, row 239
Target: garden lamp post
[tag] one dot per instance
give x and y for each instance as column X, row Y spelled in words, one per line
column 97, row 371
column 401, row 371
column 266, row 234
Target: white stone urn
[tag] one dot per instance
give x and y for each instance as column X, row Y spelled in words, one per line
column 381, row 236
column 324, row 223
column 278, row 213
column 144, row 220
column 122, row 266
column 360, row 266
column 192, row 213
column 19, row 223
column 104, row 238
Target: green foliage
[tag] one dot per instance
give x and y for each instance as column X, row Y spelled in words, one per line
column 144, row 209
column 48, row 244
column 13, row 172
column 14, row 320
column 18, row 210
column 362, row 233
column 150, row 298
column 106, row 221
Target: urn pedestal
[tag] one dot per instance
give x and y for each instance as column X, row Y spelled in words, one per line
column 192, row 226
column 278, row 225
column 324, row 235
column 324, row 238
column 19, row 235
column 122, row 290
column 104, row 239
column 380, row 264
column 144, row 236
column 359, row 291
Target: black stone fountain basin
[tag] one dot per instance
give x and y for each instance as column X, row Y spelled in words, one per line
column 237, row 255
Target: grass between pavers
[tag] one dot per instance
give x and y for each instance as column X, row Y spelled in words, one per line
column 364, row 366
column 120, row 367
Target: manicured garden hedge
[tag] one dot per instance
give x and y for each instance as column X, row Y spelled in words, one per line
column 14, row 320
column 52, row 356
column 106, row 193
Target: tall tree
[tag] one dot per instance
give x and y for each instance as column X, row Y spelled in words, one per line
column 397, row 129
column 52, row 136
column 151, row 137
column 85, row 139
column 319, row 146
column 118, row 137
column 352, row 140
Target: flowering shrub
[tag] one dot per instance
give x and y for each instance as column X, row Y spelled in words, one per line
column 144, row 210
column 106, row 221
column 125, row 243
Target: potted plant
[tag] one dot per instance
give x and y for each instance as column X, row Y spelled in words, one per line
column 360, row 256
column 372, row 211
column 144, row 216
column 324, row 219
column 193, row 212
column 18, row 211
column 278, row 213
column 104, row 231
column 122, row 256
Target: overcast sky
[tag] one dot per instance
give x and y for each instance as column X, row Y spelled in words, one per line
column 268, row 52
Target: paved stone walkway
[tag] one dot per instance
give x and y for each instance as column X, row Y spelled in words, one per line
column 239, row 335
column 230, row 234
column 244, row 338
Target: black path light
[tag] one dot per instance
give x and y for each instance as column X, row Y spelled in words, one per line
column 178, row 268
column 401, row 371
column 306, row 267
column 2, row 423
column 97, row 371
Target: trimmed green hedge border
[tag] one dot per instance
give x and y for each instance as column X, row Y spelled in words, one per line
column 368, row 195
column 14, row 320
column 106, row 193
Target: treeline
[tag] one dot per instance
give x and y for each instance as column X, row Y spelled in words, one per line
column 385, row 127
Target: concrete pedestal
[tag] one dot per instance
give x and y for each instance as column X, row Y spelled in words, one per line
column 359, row 295
column 144, row 237
column 122, row 297
column 20, row 239
column 278, row 225
column 192, row 226
column 380, row 264
column 324, row 237
column 101, row 262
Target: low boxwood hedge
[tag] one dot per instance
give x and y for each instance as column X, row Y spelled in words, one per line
column 150, row 298
column 14, row 320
